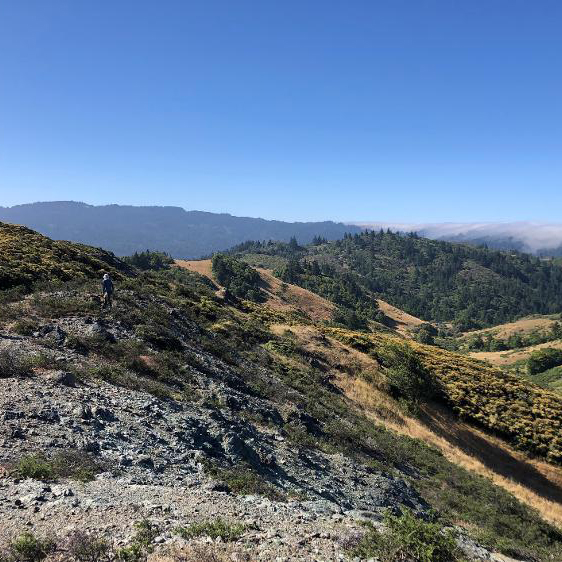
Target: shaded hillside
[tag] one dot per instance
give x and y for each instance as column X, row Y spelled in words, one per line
column 182, row 234
column 433, row 280
column 27, row 257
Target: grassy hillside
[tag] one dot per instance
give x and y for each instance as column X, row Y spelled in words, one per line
column 526, row 415
column 433, row 280
column 27, row 257
column 173, row 321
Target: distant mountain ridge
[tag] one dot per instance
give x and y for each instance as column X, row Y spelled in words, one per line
column 543, row 239
column 183, row 234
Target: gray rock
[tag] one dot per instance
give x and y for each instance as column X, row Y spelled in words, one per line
column 63, row 378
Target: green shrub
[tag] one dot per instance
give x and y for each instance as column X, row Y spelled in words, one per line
column 57, row 306
column 25, row 326
column 243, row 480
column 408, row 538
column 37, row 467
column 119, row 376
column 407, row 378
column 142, row 543
column 13, row 364
column 160, row 336
column 544, row 359
column 28, row 548
column 72, row 464
column 215, row 529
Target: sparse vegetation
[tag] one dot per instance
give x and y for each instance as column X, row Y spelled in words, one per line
column 243, row 480
column 408, row 538
column 13, row 364
column 72, row 464
column 142, row 543
column 25, row 326
column 28, row 548
column 88, row 548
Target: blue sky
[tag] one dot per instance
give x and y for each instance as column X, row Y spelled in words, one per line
column 391, row 110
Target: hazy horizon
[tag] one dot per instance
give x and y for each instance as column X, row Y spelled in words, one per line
column 534, row 235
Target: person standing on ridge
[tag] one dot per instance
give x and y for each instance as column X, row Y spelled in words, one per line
column 107, row 290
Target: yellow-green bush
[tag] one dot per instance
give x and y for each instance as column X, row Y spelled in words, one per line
column 528, row 416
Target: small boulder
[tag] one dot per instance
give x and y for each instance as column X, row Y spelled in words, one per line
column 63, row 378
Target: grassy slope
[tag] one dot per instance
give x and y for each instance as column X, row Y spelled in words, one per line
column 27, row 257
column 528, row 416
column 533, row 481
column 249, row 338
column 523, row 326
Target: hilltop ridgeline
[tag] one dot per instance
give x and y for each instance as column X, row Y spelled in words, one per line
column 126, row 229
column 433, row 280
column 27, row 258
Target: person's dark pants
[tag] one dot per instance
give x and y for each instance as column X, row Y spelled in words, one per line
column 107, row 300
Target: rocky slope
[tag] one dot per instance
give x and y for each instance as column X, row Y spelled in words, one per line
column 201, row 419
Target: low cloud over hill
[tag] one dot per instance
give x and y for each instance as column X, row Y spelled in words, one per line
column 535, row 237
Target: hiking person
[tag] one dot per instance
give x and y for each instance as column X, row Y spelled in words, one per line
column 107, row 290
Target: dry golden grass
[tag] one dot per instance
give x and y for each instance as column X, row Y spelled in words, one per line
column 502, row 358
column 285, row 297
column 404, row 322
column 282, row 297
column 534, row 482
column 521, row 326
column 203, row 267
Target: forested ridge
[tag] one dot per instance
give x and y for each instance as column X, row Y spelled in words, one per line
column 434, row 280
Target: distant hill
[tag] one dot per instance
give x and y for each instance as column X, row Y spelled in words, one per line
column 432, row 280
column 543, row 239
column 183, row 234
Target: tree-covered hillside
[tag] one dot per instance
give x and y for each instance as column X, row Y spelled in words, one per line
column 434, row 280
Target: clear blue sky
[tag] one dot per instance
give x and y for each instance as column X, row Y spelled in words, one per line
column 411, row 110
